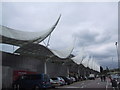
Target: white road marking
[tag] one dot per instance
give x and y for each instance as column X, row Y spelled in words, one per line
column 71, row 87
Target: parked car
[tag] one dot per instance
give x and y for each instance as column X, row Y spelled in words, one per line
column 73, row 79
column 91, row 77
column 62, row 80
column 85, row 78
column 59, row 80
column 34, row 81
column 67, row 80
column 53, row 83
column 115, row 80
column 76, row 78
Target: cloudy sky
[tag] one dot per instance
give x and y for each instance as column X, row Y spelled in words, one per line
column 93, row 25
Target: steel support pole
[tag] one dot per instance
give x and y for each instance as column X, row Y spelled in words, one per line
column 117, row 54
column 45, row 67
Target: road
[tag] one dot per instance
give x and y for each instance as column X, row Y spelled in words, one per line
column 91, row 84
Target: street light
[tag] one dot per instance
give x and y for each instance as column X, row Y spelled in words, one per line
column 116, row 43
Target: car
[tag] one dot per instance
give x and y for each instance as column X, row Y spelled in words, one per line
column 76, row 78
column 32, row 81
column 53, row 83
column 59, row 80
column 62, row 81
column 67, row 80
column 84, row 78
column 73, row 79
column 115, row 80
column 91, row 77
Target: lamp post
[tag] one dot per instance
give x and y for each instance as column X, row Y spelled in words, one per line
column 116, row 44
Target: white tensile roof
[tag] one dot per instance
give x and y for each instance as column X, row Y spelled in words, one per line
column 97, row 67
column 79, row 58
column 12, row 36
column 90, row 64
column 93, row 65
column 22, row 38
column 64, row 53
column 23, row 35
column 85, row 61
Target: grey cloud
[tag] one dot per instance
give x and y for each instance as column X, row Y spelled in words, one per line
column 109, row 62
column 94, row 25
column 86, row 37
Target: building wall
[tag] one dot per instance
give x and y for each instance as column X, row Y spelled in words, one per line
column 56, row 69
column 7, row 77
column 11, row 62
column 22, row 63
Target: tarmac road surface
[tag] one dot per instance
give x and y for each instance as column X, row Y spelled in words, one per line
column 97, row 83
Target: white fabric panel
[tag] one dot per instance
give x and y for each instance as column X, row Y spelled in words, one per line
column 94, row 65
column 97, row 67
column 63, row 53
column 90, row 63
column 85, row 61
column 22, row 35
column 26, row 36
column 79, row 58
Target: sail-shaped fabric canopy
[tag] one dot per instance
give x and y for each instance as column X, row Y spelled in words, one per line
column 90, row 64
column 97, row 67
column 93, row 65
column 86, row 61
column 36, row 49
column 64, row 53
column 19, row 38
column 79, row 58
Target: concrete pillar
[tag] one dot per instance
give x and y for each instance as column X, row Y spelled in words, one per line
column 68, row 72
